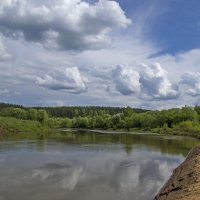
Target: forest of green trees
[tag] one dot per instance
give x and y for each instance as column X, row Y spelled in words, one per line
column 184, row 121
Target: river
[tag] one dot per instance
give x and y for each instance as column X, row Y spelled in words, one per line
column 83, row 165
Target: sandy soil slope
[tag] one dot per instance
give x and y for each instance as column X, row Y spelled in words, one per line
column 184, row 183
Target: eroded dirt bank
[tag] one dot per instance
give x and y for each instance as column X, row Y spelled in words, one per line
column 184, row 183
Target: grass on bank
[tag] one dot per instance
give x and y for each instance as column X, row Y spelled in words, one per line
column 10, row 127
column 185, row 128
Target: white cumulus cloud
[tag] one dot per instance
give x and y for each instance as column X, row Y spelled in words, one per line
column 126, row 79
column 150, row 80
column 156, row 83
column 62, row 24
column 192, row 82
column 70, row 80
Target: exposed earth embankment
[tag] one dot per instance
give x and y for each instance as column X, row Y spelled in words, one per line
column 184, row 183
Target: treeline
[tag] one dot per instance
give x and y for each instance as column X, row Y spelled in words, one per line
column 184, row 120
column 75, row 111
column 144, row 120
column 39, row 115
column 77, row 117
column 92, row 111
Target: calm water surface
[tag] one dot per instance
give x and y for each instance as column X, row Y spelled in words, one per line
column 89, row 166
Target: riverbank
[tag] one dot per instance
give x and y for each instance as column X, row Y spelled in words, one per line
column 184, row 183
column 176, row 121
column 15, row 128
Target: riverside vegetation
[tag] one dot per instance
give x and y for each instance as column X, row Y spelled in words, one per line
column 41, row 120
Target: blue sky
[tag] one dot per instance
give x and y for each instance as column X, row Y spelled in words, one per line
column 172, row 24
column 140, row 53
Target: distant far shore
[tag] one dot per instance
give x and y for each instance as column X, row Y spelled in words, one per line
column 183, row 121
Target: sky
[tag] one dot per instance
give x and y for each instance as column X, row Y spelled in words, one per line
column 143, row 54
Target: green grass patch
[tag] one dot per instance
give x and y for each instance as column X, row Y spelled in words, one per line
column 12, row 127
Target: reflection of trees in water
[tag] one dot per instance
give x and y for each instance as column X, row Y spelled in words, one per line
column 165, row 144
